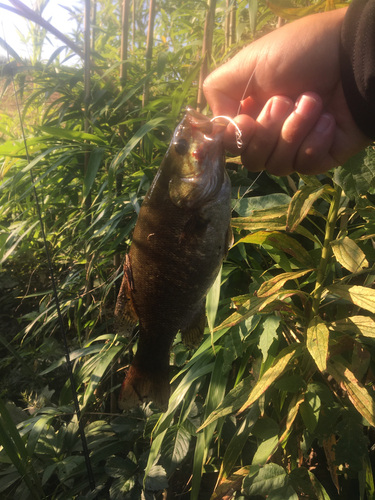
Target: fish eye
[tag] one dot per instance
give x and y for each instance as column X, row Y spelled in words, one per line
column 181, row 146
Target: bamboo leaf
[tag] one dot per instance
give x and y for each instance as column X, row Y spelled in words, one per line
column 317, row 342
column 102, row 361
column 242, row 396
column 358, row 395
column 278, row 367
column 280, row 241
column 349, row 255
column 301, row 204
column 11, row 52
column 237, row 442
column 291, row 416
column 214, row 397
column 95, row 160
column 121, row 156
column 249, row 308
column 361, row 296
column 272, row 285
column 212, row 301
column 73, row 135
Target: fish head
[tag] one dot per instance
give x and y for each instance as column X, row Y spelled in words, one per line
column 196, row 160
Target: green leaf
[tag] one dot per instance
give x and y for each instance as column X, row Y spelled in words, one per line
column 175, row 447
column 351, row 448
column 269, row 478
column 272, row 374
column 280, row 241
column 309, row 410
column 242, row 396
column 122, row 155
column 358, row 395
column 270, row 326
column 162, row 59
column 284, row 493
column 238, row 441
column 317, row 342
column 349, row 255
column 36, row 431
column 214, row 397
column 355, row 176
column 102, row 361
column 73, row 135
column 95, row 160
column 361, row 296
column 277, row 202
column 301, row 204
column 156, row 478
column 11, row 52
column 249, row 308
column 212, row 301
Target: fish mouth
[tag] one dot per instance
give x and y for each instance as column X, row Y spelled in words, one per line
column 209, row 127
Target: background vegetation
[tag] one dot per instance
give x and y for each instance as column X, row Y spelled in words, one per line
column 278, row 400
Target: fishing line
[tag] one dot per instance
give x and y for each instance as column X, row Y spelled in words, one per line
column 85, row 449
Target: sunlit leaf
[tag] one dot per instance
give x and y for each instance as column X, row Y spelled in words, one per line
column 301, row 204
column 280, row 241
column 358, row 394
column 317, row 342
column 349, row 255
column 272, row 285
column 361, row 296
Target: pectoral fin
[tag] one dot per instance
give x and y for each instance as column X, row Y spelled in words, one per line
column 125, row 314
column 192, row 333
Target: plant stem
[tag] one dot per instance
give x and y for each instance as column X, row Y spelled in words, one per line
column 326, row 251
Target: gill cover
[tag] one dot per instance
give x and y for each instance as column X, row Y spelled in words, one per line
column 197, row 160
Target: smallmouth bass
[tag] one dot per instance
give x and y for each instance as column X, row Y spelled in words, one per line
column 180, row 239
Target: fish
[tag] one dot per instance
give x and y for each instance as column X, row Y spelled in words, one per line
column 180, row 239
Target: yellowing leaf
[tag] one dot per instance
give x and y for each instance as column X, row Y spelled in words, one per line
column 358, row 394
column 361, row 296
column 230, row 485
column 292, row 413
column 274, row 284
column 317, row 342
column 301, row 203
column 249, row 308
column 349, row 255
column 360, row 325
column 269, row 377
column 329, row 450
column 280, row 241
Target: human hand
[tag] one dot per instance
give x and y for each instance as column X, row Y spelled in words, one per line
column 295, row 116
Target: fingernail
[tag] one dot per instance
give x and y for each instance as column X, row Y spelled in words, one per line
column 279, row 108
column 305, row 105
column 323, row 123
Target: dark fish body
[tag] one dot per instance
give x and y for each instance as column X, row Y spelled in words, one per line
column 179, row 242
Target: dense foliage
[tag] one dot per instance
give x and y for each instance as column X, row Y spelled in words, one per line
column 278, row 400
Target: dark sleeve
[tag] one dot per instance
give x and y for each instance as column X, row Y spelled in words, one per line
column 357, row 63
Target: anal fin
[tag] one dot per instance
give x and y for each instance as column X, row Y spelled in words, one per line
column 125, row 314
column 192, row 332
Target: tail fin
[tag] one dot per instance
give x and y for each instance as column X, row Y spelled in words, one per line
column 143, row 385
